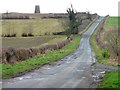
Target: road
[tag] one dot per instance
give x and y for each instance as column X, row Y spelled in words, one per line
column 73, row 71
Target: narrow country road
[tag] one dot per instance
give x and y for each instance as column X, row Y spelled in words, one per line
column 73, row 71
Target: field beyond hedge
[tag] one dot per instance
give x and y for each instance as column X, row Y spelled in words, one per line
column 112, row 21
column 36, row 26
column 28, row 42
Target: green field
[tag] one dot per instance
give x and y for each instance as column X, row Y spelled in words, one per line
column 36, row 26
column 112, row 21
column 111, row 80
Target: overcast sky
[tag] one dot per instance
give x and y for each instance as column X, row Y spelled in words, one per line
column 102, row 7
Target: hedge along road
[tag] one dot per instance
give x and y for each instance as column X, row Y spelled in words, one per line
column 73, row 71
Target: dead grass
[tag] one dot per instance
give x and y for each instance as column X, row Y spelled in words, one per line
column 112, row 62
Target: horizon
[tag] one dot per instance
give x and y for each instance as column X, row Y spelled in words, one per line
column 101, row 7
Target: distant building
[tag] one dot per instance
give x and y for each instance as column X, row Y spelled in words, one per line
column 37, row 9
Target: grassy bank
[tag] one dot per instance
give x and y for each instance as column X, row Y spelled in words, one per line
column 100, row 53
column 97, row 50
column 25, row 66
column 111, row 36
column 111, row 80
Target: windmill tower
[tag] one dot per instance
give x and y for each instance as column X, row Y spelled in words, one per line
column 37, row 9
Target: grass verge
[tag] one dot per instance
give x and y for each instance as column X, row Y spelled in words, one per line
column 9, row 71
column 111, row 80
column 96, row 49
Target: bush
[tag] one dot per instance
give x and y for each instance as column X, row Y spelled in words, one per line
column 105, row 53
column 30, row 35
column 58, row 33
column 27, row 35
column 9, row 35
column 10, row 55
column 22, row 54
column 24, row 35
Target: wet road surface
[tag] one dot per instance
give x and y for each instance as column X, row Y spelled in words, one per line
column 74, row 71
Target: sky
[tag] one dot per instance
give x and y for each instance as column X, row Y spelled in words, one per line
column 102, row 7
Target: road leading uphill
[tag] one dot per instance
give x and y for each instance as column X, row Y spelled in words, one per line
column 73, row 71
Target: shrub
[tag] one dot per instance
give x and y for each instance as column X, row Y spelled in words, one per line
column 105, row 53
column 30, row 35
column 24, row 35
column 9, row 35
column 34, row 51
column 23, row 54
column 27, row 35
column 10, row 55
column 58, row 33
column 54, row 47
